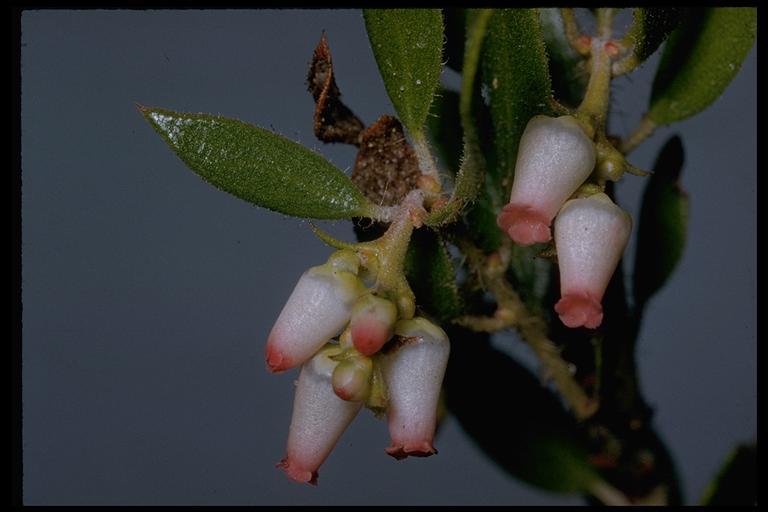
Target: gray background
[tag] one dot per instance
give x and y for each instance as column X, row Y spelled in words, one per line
column 148, row 295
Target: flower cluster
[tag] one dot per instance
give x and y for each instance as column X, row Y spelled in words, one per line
column 555, row 158
column 355, row 347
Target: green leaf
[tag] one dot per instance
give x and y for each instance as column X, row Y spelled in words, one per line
column 516, row 72
column 431, row 275
column 408, row 46
column 566, row 67
column 517, row 422
column 259, row 166
column 699, row 61
column 663, row 224
column 736, row 482
column 650, row 27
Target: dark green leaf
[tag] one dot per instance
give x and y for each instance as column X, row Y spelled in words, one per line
column 699, row 61
column 516, row 72
column 431, row 275
column 259, row 166
column 650, row 27
column 736, row 482
column 444, row 127
column 663, row 224
column 408, row 46
column 518, row 423
column 566, row 67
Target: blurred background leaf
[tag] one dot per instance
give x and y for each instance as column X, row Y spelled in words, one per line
column 699, row 61
column 736, row 482
column 663, row 224
column 517, row 422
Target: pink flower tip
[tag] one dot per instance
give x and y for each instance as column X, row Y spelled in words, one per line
column 524, row 225
column 369, row 337
column 276, row 361
column 423, row 449
column 297, row 474
column 577, row 309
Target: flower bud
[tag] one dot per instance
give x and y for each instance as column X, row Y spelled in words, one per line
column 319, row 419
column 555, row 156
column 413, row 370
column 373, row 319
column 352, row 378
column 590, row 237
column 317, row 310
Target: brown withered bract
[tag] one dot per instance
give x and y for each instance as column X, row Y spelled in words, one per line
column 386, row 168
column 334, row 121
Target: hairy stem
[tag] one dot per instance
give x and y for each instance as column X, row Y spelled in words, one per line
column 512, row 312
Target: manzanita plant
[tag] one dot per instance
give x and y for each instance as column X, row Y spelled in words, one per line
column 479, row 211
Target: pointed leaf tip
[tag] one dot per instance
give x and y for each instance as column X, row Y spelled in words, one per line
column 259, row 166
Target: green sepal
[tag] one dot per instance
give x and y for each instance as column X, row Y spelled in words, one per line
column 259, row 166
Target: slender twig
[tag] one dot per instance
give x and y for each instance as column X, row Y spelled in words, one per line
column 512, row 312
column 576, row 38
column 424, row 156
column 640, row 133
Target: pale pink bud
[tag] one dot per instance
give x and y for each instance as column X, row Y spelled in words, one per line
column 352, row 378
column 413, row 371
column 590, row 237
column 373, row 319
column 317, row 310
column 554, row 158
column 319, row 419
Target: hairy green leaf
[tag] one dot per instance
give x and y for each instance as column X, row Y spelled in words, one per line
column 408, row 46
column 516, row 73
column 700, row 59
column 431, row 275
column 259, row 166
column 663, row 224
column 650, row 27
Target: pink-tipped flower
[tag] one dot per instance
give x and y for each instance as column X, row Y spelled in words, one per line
column 372, row 323
column 317, row 310
column 554, row 158
column 319, row 418
column 413, row 371
column 590, row 237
